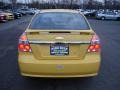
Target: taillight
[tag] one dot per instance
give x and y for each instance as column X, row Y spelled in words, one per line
column 23, row 44
column 95, row 44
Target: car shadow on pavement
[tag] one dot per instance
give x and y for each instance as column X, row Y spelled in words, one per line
column 58, row 83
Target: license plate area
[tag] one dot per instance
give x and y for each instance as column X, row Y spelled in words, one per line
column 59, row 49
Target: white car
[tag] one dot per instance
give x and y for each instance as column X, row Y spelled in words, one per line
column 35, row 10
column 108, row 15
column 26, row 11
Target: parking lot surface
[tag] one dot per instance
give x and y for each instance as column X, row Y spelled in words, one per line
column 109, row 74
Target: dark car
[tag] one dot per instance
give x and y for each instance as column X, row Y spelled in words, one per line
column 90, row 13
column 2, row 17
column 17, row 15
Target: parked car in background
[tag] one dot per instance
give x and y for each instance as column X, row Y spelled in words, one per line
column 90, row 13
column 81, row 10
column 15, row 13
column 59, row 43
column 26, row 11
column 2, row 17
column 9, row 16
column 35, row 10
column 108, row 16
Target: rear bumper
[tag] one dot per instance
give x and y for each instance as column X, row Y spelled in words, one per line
column 10, row 17
column 3, row 20
column 29, row 66
column 58, row 76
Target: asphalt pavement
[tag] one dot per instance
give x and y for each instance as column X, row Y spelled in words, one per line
column 109, row 74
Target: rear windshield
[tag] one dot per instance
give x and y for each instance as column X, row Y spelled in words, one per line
column 59, row 20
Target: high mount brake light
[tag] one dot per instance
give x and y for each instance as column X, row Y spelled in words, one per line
column 95, row 44
column 24, row 45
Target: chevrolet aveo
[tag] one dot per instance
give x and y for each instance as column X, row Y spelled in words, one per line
column 59, row 43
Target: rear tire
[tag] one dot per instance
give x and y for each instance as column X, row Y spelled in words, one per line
column 102, row 18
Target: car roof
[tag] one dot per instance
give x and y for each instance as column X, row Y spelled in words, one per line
column 59, row 10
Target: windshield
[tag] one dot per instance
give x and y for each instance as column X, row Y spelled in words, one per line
column 59, row 20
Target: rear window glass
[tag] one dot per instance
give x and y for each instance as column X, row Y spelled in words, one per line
column 59, row 20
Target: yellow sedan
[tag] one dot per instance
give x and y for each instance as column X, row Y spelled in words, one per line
column 59, row 43
column 9, row 16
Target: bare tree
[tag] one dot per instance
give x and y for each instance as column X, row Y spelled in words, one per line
column 14, row 3
column 105, row 4
column 66, row 3
column 1, row 3
column 73, row 2
column 90, row 4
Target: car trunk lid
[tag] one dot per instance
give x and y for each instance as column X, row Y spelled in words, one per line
column 63, row 45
